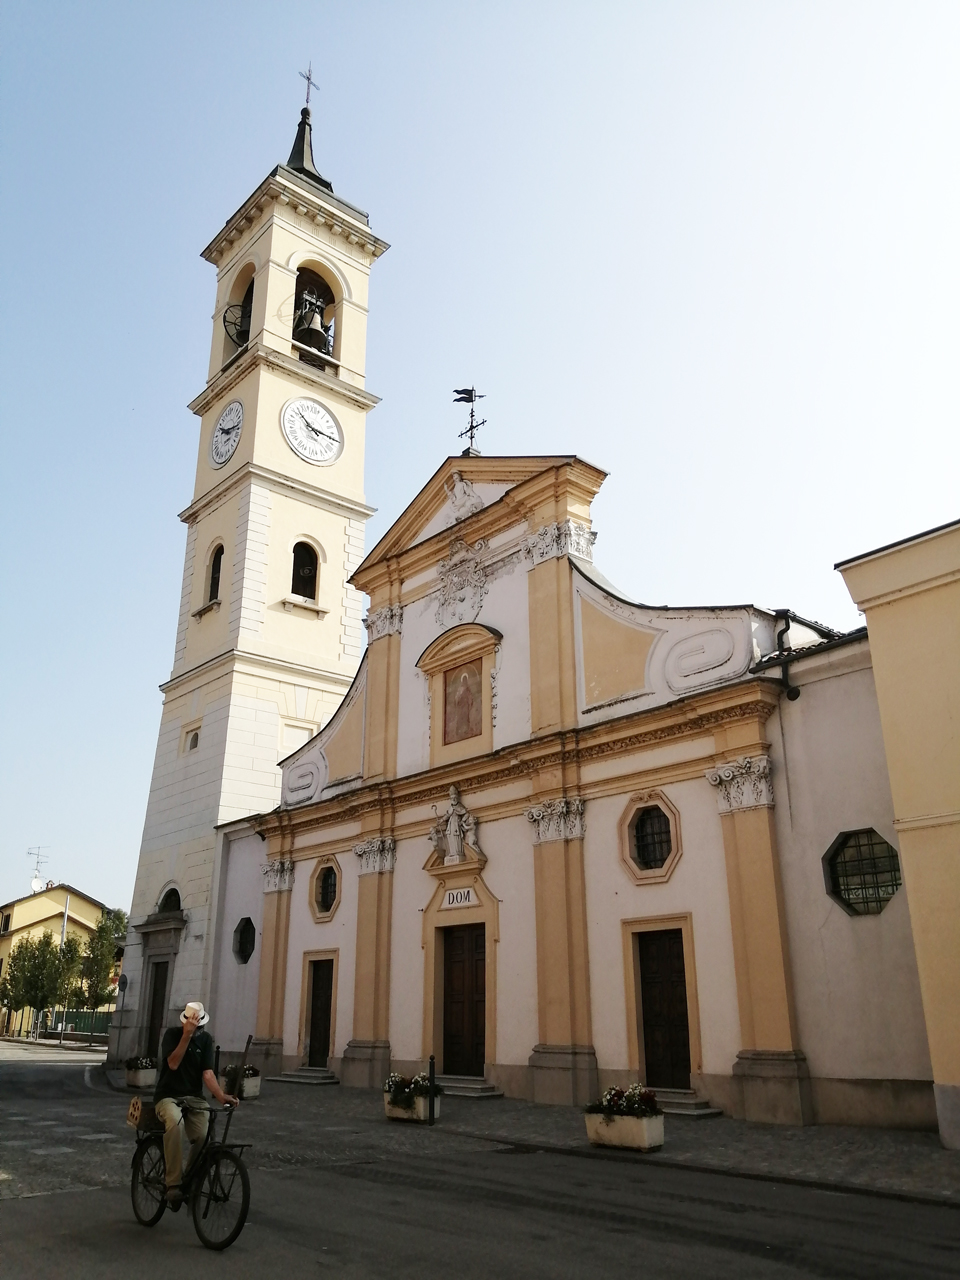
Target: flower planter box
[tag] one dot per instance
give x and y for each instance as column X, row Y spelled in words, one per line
column 642, row 1133
column 249, row 1087
column 143, row 1079
column 419, row 1113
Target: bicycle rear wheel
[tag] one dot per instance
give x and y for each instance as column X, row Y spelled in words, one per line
column 220, row 1200
column 148, row 1183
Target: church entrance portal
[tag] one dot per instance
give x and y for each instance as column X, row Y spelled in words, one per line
column 663, row 997
column 464, row 999
column 321, row 1000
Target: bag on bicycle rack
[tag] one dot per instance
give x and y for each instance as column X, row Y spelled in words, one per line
column 143, row 1117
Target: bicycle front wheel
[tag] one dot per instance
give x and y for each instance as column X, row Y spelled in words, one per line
column 148, row 1184
column 220, row 1200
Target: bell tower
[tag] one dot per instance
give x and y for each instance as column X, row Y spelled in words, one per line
column 269, row 631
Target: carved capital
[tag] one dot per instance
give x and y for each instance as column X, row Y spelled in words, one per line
column 376, row 855
column 384, row 622
column 277, row 875
column 742, row 784
column 551, row 541
column 561, row 819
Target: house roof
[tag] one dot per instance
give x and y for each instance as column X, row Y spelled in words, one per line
column 69, row 888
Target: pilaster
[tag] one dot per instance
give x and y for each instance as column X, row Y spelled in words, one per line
column 563, row 1066
column 366, row 1059
column 278, row 877
column 772, row 1070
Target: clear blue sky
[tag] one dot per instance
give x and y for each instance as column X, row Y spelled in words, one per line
column 713, row 247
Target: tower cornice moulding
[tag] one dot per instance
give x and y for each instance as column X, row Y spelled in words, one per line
column 742, row 784
column 379, row 854
column 276, row 482
column 240, row 658
column 284, row 188
column 223, row 382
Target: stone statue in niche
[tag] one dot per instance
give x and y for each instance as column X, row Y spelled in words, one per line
column 454, row 833
column 463, row 498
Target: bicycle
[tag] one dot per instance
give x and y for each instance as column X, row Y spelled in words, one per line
column 216, row 1185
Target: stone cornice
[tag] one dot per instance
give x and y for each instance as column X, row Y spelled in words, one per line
column 284, row 187
column 278, row 483
column 222, row 383
column 528, row 492
column 693, row 717
column 243, row 657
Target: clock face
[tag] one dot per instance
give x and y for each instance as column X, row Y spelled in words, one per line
column 311, row 431
column 226, row 434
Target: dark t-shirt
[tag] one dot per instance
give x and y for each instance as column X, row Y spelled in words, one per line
column 187, row 1080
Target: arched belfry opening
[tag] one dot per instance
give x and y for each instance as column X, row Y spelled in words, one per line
column 314, row 321
column 306, row 564
column 236, row 319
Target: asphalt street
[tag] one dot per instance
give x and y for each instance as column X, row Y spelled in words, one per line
column 337, row 1190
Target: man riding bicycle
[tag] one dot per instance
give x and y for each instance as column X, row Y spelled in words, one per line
column 186, row 1065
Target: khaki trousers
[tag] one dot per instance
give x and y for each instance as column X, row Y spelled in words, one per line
column 192, row 1122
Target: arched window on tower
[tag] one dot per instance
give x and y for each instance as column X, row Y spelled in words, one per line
column 216, row 562
column 236, row 319
column 313, row 318
column 305, row 571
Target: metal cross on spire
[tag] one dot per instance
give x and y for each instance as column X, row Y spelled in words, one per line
column 311, row 83
column 469, row 395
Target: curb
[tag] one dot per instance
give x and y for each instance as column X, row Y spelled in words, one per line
column 657, row 1160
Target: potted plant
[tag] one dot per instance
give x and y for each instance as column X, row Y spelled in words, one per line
column 626, row 1118
column 249, row 1086
column 141, row 1072
column 408, row 1098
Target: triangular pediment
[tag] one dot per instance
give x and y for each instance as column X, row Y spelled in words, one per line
column 460, row 488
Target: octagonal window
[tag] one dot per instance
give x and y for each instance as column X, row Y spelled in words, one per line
column 862, row 872
column 244, row 939
column 650, row 840
column 326, row 889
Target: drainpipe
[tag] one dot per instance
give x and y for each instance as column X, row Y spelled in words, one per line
column 793, row 693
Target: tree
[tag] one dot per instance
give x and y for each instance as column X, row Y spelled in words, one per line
column 96, row 985
column 13, row 988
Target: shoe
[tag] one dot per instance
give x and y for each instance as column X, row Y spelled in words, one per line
column 174, row 1199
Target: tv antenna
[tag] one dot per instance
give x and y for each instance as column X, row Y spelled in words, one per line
column 39, row 858
column 311, row 83
column 470, row 396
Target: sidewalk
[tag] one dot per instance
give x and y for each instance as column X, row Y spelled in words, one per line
column 893, row 1162
column 896, row 1162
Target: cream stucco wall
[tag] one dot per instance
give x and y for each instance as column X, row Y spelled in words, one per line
column 856, row 985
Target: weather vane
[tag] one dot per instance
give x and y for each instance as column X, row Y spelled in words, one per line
column 470, row 396
column 311, row 83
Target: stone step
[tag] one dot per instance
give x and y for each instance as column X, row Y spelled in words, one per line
column 684, row 1102
column 306, row 1075
column 468, row 1087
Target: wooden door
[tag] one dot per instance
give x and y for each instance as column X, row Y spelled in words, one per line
column 158, row 1006
column 464, row 999
column 321, row 1001
column 663, row 996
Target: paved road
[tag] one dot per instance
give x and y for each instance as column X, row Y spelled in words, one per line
column 339, row 1191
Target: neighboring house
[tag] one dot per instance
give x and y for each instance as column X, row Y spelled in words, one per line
column 559, row 839
column 59, row 909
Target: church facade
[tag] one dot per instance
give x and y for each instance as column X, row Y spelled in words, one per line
column 269, row 635
column 559, row 839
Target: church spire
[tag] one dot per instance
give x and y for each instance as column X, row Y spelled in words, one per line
column 301, row 157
